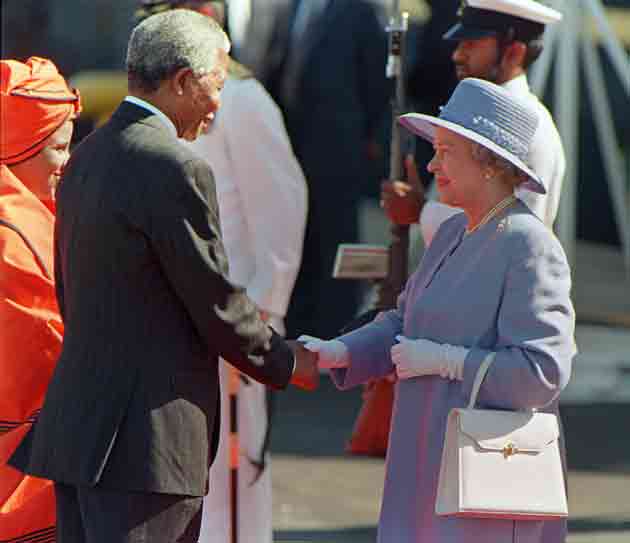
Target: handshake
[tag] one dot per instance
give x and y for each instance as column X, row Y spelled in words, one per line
column 309, row 359
column 410, row 358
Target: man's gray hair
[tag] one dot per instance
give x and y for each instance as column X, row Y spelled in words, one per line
column 166, row 42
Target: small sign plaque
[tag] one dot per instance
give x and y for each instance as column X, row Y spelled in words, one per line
column 360, row 261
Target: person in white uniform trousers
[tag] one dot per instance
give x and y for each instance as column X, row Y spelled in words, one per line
column 497, row 41
column 262, row 199
column 262, row 204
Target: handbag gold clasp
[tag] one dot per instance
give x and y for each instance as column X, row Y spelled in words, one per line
column 509, row 450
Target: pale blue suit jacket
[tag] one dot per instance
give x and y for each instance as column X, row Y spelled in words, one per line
column 504, row 288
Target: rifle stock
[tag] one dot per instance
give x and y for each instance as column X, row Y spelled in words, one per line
column 371, row 430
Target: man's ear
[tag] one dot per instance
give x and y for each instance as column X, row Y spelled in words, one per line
column 180, row 80
column 514, row 56
column 214, row 10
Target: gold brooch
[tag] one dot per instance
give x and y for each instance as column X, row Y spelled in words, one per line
column 509, row 450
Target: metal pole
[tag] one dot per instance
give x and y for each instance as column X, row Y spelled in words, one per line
column 621, row 63
column 608, row 144
column 539, row 73
column 573, row 37
column 399, row 244
column 618, row 57
column 234, row 381
column 566, row 103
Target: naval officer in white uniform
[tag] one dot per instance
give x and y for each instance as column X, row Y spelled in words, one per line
column 497, row 41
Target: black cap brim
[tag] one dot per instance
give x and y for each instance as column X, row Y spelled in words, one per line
column 461, row 32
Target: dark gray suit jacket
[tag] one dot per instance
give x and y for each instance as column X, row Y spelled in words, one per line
column 140, row 273
column 339, row 105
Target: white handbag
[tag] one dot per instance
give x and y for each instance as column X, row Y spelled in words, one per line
column 500, row 464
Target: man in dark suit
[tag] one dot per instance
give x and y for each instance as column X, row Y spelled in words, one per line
column 326, row 70
column 130, row 421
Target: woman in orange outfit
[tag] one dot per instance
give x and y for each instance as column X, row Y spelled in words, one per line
column 38, row 109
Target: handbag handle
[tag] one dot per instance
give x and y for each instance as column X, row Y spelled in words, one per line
column 481, row 374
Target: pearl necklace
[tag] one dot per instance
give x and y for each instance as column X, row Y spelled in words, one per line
column 503, row 204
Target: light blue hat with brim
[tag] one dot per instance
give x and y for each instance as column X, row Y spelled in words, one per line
column 489, row 115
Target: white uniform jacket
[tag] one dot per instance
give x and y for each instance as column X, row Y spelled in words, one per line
column 261, row 193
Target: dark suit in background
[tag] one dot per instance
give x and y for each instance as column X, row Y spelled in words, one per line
column 432, row 78
column 331, row 86
column 131, row 416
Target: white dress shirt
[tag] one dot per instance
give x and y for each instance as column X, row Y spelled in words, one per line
column 546, row 158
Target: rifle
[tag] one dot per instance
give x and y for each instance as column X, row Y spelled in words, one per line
column 371, row 429
column 398, row 249
column 362, row 261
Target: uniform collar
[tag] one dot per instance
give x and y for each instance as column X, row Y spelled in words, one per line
column 518, row 86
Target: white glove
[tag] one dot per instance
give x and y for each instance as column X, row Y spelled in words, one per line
column 331, row 354
column 418, row 357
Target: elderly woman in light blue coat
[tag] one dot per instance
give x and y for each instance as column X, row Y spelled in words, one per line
column 494, row 279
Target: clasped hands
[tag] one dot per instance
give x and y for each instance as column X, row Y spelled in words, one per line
column 305, row 373
column 411, row 357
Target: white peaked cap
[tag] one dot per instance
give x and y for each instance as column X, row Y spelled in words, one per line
column 525, row 9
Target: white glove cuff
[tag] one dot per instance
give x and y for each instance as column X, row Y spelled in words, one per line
column 332, row 354
column 453, row 358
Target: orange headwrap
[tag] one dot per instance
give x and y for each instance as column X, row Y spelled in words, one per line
column 35, row 100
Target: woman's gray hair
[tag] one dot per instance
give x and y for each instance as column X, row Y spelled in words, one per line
column 504, row 167
column 166, row 42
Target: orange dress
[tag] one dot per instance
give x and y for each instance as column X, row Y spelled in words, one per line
column 31, row 332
